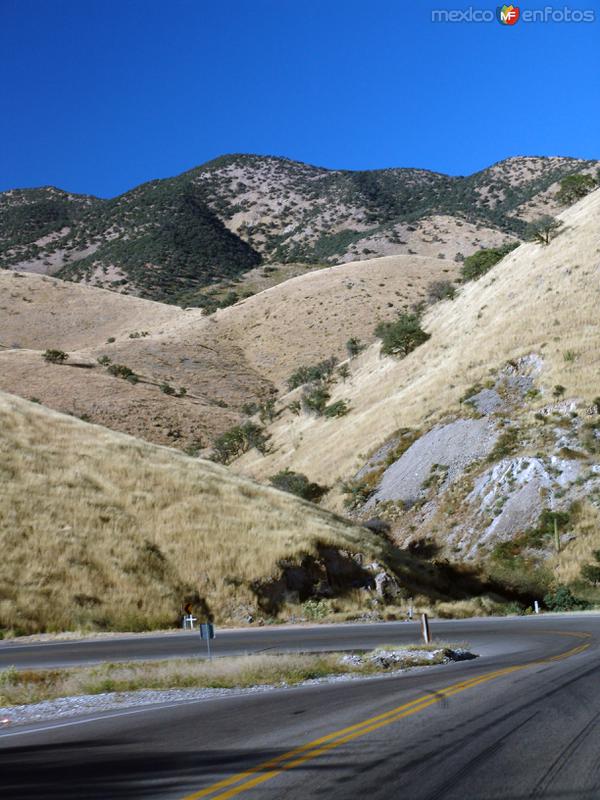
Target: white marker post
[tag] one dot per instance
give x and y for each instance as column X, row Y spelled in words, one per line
column 425, row 629
column 536, row 606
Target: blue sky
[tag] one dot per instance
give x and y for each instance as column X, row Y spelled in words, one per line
column 100, row 95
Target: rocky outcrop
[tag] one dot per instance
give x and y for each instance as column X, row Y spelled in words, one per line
column 453, row 446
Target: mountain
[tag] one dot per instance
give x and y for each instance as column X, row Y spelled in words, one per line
column 170, row 239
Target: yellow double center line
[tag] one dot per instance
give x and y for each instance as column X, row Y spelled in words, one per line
column 242, row 781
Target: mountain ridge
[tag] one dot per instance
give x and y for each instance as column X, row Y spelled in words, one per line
column 172, row 239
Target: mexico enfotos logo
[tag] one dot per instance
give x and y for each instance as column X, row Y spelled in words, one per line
column 509, row 15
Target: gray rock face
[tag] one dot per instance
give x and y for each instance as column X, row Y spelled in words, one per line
column 454, row 446
column 515, row 491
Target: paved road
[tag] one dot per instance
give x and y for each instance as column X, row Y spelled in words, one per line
column 521, row 722
column 238, row 642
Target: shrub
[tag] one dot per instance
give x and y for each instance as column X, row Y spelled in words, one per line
column 55, row 356
column 477, row 264
column 315, row 400
column 354, row 346
column 110, row 340
column 591, row 572
column 267, row 411
column 357, row 493
column 562, row 599
column 166, row 388
column 104, row 361
column 318, row 372
column 440, row 290
column 574, row 187
column 558, row 391
column 298, row 484
column 344, row 371
column 401, row 337
column 338, row 409
column 121, row 371
column 506, row 444
column 295, row 407
column 238, row 440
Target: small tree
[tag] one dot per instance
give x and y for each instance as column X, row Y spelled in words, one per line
column 574, row 187
column 401, row 337
column 543, row 230
column 55, row 356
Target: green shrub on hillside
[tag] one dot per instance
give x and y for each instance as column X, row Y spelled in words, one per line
column 298, row 484
column 562, row 599
column 354, row 346
column 121, row 371
column 591, row 572
column 338, row 409
column 440, row 290
column 315, row 400
column 318, row 372
column 401, row 337
column 574, row 187
column 477, row 264
column 238, row 440
column 55, row 356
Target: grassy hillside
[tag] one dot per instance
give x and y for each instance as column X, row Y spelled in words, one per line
column 223, row 362
column 538, row 299
column 167, row 348
column 99, row 530
column 481, row 444
column 311, row 317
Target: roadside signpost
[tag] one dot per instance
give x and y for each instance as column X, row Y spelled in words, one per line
column 425, row 629
column 207, row 631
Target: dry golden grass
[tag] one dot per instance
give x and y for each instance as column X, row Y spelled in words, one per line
column 311, row 317
column 34, row 686
column 99, row 530
column 177, row 347
column 538, row 299
column 567, row 564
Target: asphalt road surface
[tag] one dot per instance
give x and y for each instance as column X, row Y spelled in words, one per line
column 235, row 642
column 522, row 721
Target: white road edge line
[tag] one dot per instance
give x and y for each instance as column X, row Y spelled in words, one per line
column 108, row 715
